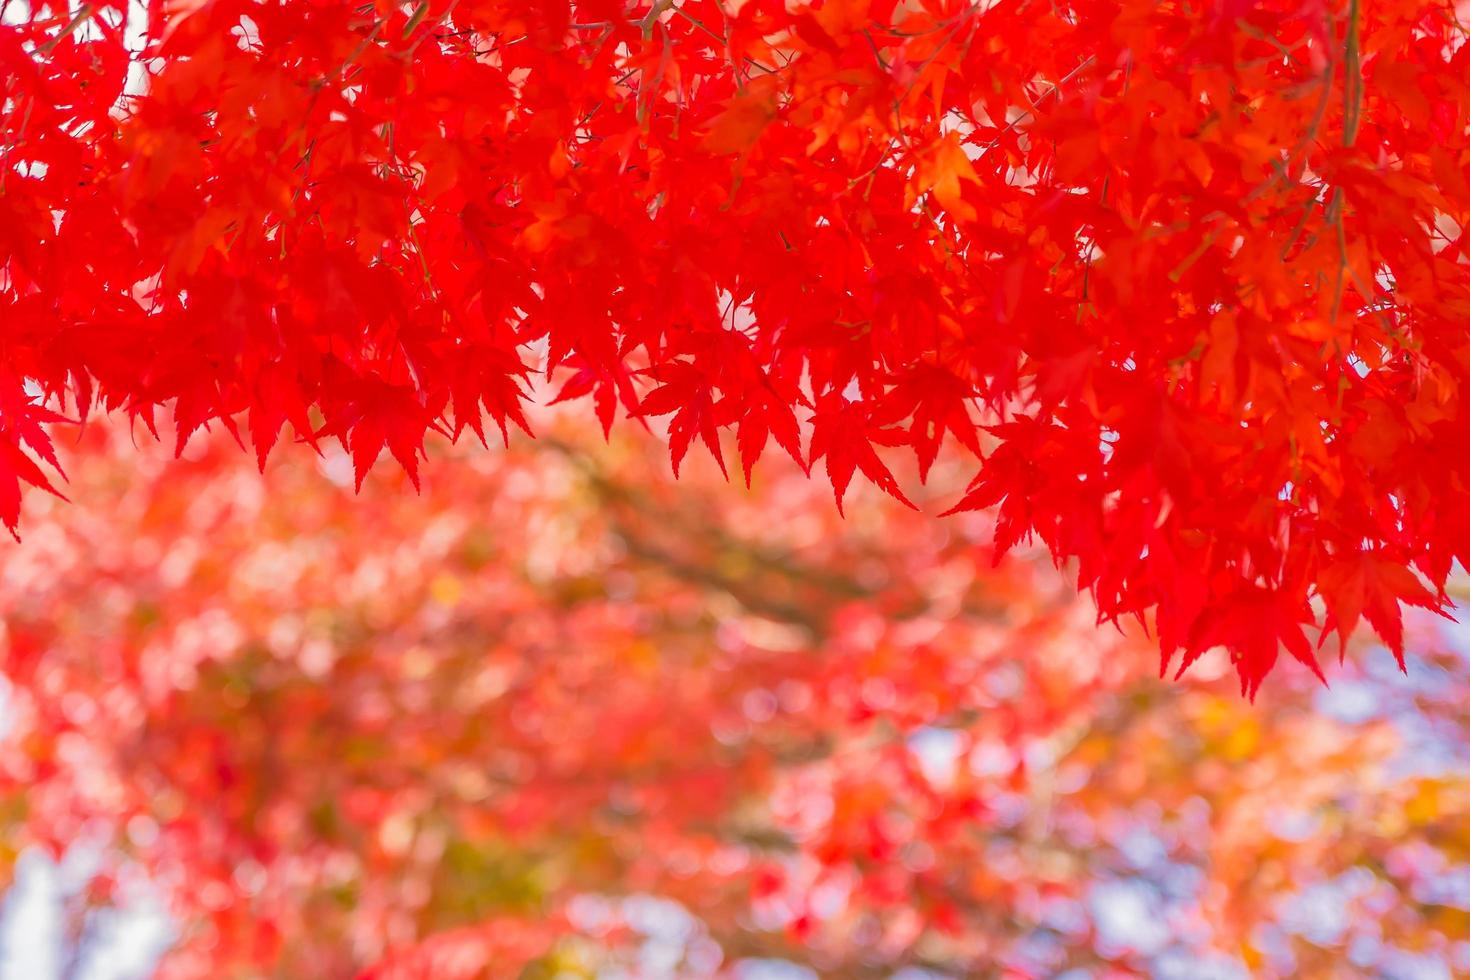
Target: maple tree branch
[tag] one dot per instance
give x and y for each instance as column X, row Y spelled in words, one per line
column 1352, row 95
column 680, row 11
column 1309, row 135
column 765, row 68
column 644, row 23
column 1352, row 88
column 357, row 53
column 654, row 13
column 83, row 13
column 873, row 171
column 1250, row 30
column 418, row 16
column 1036, row 103
column 1178, row 271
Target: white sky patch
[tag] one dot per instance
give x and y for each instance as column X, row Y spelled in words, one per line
column 119, row 943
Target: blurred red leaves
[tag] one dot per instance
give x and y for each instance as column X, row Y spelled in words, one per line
column 466, row 733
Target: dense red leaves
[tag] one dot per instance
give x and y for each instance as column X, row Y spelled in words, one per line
column 1200, row 272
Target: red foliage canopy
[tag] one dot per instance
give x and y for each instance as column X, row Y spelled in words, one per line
column 1190, row 281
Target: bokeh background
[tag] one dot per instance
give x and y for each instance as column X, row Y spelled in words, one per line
column 559, row 716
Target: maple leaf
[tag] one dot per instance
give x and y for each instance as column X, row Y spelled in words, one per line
column 21, row 424
column 24, row 419
column 15, row 468
column 737, row 127
column 936, row 401
column 198, row 403
column 768, row 416
column 175, row 13
column 278, row 399
column 1373, row 587
column 383, row 415
column 606, row 388
column 944, row 169
column 491, row 378
column 1023, row 474
column 843, row 434
column 686, row 393
column 1253, row 623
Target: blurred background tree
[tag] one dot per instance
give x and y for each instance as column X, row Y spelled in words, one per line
column 557, row 717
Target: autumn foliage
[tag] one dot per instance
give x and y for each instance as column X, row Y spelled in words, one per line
column 1187, row 283
column 484, row 733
